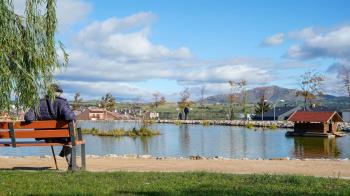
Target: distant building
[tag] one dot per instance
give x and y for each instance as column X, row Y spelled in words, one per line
column 314, row 123
column 280, row 113
column 153, row 115
column 320, row 109
column 100, row 114
column 346, row 115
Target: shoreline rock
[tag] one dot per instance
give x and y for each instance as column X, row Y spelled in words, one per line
column 262, row 124
column 343, row 126
column 192, row 157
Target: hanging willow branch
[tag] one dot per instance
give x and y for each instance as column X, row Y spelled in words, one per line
column 28, row 56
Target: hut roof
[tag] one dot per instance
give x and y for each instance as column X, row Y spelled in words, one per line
column 97, row 110
column 306, row 116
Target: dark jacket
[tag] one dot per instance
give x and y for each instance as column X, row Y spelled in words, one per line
column 186, row 110
column 56, row 110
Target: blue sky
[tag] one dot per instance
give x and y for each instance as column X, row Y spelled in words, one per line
column 227, row 28
column 134, row 48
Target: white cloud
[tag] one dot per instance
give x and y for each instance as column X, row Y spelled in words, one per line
column 224, row 73
column 305, row 33
column 110, row 55
column 117, row 25
column 274, row 40
column 96, row 89
column 71, row 11
column 126, row 39
column 68, row 12
column 334, row 43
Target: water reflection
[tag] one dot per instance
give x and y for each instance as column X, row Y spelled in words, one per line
column 316, row 147
column 186, row 140
column 145, row 144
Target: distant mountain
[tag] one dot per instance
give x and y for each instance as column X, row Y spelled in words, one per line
column 272, row 93
column 276, row 93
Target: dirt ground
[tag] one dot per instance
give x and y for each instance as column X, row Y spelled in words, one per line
column 329, row 168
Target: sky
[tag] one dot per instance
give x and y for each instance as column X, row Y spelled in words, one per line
column 134, row 48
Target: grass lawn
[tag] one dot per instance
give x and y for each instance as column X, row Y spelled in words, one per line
column 151, row 183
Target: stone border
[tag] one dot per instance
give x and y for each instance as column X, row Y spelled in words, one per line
column 266, row 124
column 197, row 157
column 343, row 126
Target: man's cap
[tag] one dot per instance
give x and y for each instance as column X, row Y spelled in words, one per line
column 56, row 88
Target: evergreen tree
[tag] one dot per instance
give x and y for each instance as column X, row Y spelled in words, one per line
column 262, row 105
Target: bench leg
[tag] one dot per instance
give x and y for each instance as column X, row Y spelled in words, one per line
column 74, row 158
column 83, row 157
column 54, row 157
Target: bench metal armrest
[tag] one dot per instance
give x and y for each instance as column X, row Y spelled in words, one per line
column 72, row 133
column 12, row 134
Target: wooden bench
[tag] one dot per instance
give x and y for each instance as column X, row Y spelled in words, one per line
column 50, row 130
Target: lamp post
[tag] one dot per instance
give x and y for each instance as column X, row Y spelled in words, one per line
column 274, row 109
column 262, row 110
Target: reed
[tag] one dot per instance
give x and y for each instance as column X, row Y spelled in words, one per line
column 119, row 132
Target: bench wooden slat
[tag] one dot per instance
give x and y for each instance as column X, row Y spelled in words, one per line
column 30, row 143
column 55, row 133
column 45, row 124
column 23, row 144
column 43, row 129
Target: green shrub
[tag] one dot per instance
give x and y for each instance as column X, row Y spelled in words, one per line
column 177, row 122
column 249, row 125
column 205, row 122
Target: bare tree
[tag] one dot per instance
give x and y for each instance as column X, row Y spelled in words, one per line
column 156, row 97
column 77, row 101
column 135, row 107
column 243, row 88
column 344, row 75
column 232, row 98
column 202, row 100
column 108, row 101
column 310, row 87
column 185, row 99
column 162, row 101
column 158, row 100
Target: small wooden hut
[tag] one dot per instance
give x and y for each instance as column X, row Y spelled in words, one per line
column 315, row 123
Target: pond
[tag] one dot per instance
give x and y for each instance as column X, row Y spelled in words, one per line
column 209, row 141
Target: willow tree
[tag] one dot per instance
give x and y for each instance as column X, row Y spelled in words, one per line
column 28, row 56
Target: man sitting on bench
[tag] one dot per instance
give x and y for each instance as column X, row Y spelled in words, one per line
column 58, row 109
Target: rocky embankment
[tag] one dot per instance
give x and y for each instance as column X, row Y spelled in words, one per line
column 278, row 124
column 345, row 126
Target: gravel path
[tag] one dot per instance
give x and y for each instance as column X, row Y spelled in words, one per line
column 329, row 168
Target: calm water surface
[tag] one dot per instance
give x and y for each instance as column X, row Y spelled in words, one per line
column 186, row 140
